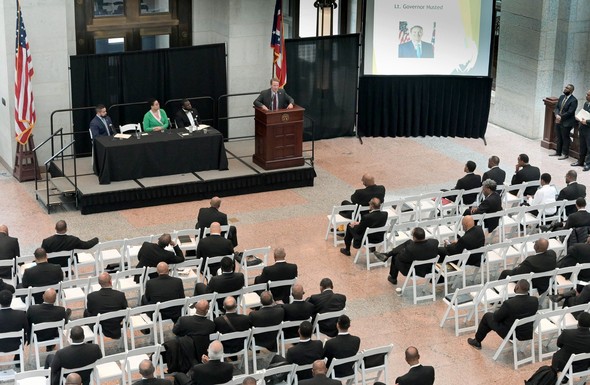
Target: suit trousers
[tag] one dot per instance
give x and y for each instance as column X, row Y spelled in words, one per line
column 563, row 139
column 351, row 238
column 488, row 324
column 584, row 132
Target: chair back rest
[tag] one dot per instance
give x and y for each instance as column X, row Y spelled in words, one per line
column 129, row 127
column 341, row 361
column 32, row 377
column 375, row 358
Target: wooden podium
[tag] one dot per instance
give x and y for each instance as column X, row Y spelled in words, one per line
column 278, row 138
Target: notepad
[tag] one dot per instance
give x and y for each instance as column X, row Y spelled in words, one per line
column 122, row 136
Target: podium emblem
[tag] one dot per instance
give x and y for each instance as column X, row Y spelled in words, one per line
column 285, row 118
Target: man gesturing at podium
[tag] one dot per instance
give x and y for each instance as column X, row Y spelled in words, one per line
column 274, row 98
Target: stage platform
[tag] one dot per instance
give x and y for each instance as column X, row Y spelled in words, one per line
column 242, row 177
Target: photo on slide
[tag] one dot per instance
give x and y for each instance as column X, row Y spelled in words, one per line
column 412, row 44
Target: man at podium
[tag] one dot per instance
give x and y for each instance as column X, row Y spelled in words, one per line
column 274, row 98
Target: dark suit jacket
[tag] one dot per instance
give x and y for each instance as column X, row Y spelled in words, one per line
column 42, row 274
column 496, row 174
column 211, row 373
column 364, row 195
column 45, row 312
column 419, row 375
column 104, row 301
column 320, row 379
column 296, row 311
column 305, row 353
column 224, row 283
column 265, row 98
column 182, row 119
column 376, row 218
column 9, row 249
column 474, row 238
column 208, row 215
column 153, row 381
column 237, row 323
column 568, row 112
column 580, row 218
column 342, row 346
column 11, row 321
column 267, row 316
column 468, row 182
column 491, row 204
column 572, row 191
column 150, row 254
column 75, row 356
column 571, row 341
column 6, row 286
column 198, row 328
column 527, row 173
column 577, row 253
column 537, row 263
column 65, row 242
column 98, row 128
column 407, row 50
column 411, row 251
column 278, row 272
column 324, row 302
column 213, row 246
column 520, row 306
column 165, row 288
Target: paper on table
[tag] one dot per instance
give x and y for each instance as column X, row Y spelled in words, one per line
column 583, row 114
column 201, row 126
column 122, row 136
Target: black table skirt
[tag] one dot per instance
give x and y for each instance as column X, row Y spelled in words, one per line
column 157, row 154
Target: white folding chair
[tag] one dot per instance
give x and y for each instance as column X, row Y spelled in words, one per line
column 187, row 239
column 135, row 356
column 109, row 367
column 88, row 325
column 461, row 303
column 353, row 361
column 511, row 337
column 375, row 361
column 67, row 270
column 287, row 369
column 9, row 263
column 190, row 273
column 452, row 270
column 448, row 207
column 64, row 372
column 20, row 363
column 224, row 231
column 367, row 245
column 33, row 377
column 286, row 326
column 17, row 302
column 218, row 304
column 250, row 297
column 335, row 220
column 178, row 303
column 109, row 253
column 74, row 291
column 143, row 318
column 568, row 369
column 36, row 344
column 254, row 347
column 413, row 277
column 131, row 247
column 243, row 353
column 212, row 261
column 284, row 283
column 124, row 281
column 118, row 314
column 323, row 317
column 262, row 253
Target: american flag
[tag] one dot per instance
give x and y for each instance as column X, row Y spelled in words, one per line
column 277, row 43
column 404, row 34
column 24, row 109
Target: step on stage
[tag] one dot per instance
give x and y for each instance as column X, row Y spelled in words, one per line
column 242, row 177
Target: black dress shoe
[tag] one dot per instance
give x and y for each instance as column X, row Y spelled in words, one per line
column 563, row 157
column 556, row 154
column 545, row 228
column 586, row 168
column 555, row 297
column 345, row 251
column 576, row 164
column 382, row 257
column 473, row 342
column 392, row 280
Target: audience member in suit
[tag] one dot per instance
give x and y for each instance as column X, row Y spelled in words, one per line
column 584, row 134
column 580, row 218
column 416, row 48
column 298, row 310
column 147, row 370
column 418, row 374
column 572, row 191
column 522, row 305
column 491, row 204
column 573, row 297
column 577, row 253
column 164, row 288
column 76, row 355
column 274, row 98
column 472, row 239
column 73, row 379
column 197, row 326
column 525, row 173
column 150, row 254
column 231, row 322
column 9, row 249
column 327, row 301
column 6, row 286
column 363, row 196
column 306, row 351
column 227, row 282
column 544, row 260
column 416, row 249
column 281, row 270
column 573, row 341
column 319, row 371
column 565, row 119
column 269, row 314
column 208, row 215
column 249, row 381
column 11, row 321
column 42, row 274
column 344, row 345
column 187, row 116
column 469, row 182
column 47, row 312
column 104, row 301
column 214, row 245
column 101, row 124
column 211, row 371
column 356, row 230
column 494, row 173
column 61, row 241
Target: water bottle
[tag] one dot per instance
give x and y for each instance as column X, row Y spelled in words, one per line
column 137, row 134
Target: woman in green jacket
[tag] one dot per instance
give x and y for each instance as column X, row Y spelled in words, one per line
column 155, row 119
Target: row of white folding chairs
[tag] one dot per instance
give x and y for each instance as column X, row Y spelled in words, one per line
column 569, row 371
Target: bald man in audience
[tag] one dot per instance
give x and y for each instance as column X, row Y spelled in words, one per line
column 269, row 314
column 197, row 326
column 164, row 288
column 418, row 374
column 364, row 195
column 208, row 215
column 281, row 270
column 319, row 371
column 104, row 301
column 231, row 322
column 473, row 238
column 42, row 274
column 73, row 379
column 249, row 381
column 297, row 310
column 9, row 249
column 150, row 254
column 215, row 245
column 61, row 241
column 47, row 312
column 147, row 370
column 212, row 371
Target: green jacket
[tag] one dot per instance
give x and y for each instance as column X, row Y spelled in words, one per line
column 149, row 122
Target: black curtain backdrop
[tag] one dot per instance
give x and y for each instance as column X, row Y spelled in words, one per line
column 322, row 76
column 424, row 106
column 138, row 76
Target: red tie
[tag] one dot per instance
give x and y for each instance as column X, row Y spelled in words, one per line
column 274, row 102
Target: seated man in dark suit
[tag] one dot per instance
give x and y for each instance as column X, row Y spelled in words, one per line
column 42, row 274
column 269, row 314
column 281, row 270
column 231, row 322
column 76, row 355
column 572, row 191
column 494, row 173
column 297, row 310
column 101, row 124
column 306, row 351
column 544, row 260
column 197, row 326
column 578, row 296
column 104, row 301
column 164, row 288
column 11, row 321
column 356, row 230
column 215, row 245
column 520, row 306
column 472, row 239
column 150, row 254
column 319, row 371
column 61, row 241
column 227, row 282
column 418, row 374
column 577, row 253
column 468, row 182
column 416, row 249
column 274, row 98
column 581, row 218
column 47, row 312
column 9, row 249
column 187, row 116
column 363, row 196
column 492, row 203
column 147, row 370
column 211, row 371
column 573, row 341
column 344, row 345
column 525, row 173
column 327, row 301
column 208, row 215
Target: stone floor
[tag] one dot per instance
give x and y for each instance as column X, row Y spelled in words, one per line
column 296, row 220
